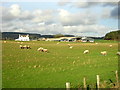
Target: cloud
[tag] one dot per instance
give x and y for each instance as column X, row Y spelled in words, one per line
column 49, row 21
column 88, row 3
column 106, row 13
column 63, row 2
column 15, row 10
column 71, row 19
column 89, row 30
column 47, row 16
column 115, row 13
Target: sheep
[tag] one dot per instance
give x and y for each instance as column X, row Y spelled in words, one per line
column 25, row 46
column 86, row 51
column 21, row 47
column 5, row 41
column 28, row 47
column 104, row 53
column 71, row 47
column 110, row 46
column 45, row 50
column 118, row 53
column 40, row 49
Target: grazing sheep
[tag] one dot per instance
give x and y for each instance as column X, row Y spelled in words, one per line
column 40, row 49
column 5, row 41
column 104, row 53
column 86, row 51
column 71, row 47
column 25, row 46
column 28, row 47
column 21, row 47
column 110, row 46
column 45, row 50
column 118, row 53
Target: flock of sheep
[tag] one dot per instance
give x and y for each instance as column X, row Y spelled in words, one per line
column 25, row 47
column 102, row 52
column 41, row 49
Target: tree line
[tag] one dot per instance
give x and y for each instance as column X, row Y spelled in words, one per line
column 114, row 35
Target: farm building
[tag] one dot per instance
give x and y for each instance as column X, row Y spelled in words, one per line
column 71, row 39
column 23, row 38
column 86, row 39
column 65, row 39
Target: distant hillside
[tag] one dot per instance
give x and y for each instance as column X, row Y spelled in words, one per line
column 33, row 36
column 114, row 35
column 15, row 35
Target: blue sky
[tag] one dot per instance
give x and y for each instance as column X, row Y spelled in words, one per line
column 76, row 18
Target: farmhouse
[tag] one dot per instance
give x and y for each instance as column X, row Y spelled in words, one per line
column 23, row 38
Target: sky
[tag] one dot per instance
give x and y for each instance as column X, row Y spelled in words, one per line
column 60, row 17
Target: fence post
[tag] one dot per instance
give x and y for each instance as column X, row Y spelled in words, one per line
column 84, row 82
column 67, row 86
column 116, row 73
column 98, row 81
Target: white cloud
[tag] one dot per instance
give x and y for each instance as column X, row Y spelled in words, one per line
column 15, row 10
column 52, row 21
column 67, row 18
column 96, row 30
column 89, row 3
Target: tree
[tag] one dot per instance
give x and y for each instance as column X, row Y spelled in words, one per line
column 114, row 35
column 58, row 35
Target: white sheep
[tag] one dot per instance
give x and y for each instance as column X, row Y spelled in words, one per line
column 71, row 47
column 45, row 50
column 86, row 51
column 40, row 49
column 118, row 53
column 5, row 41
column 28, row 47
column 25, row 46
column 21, row 46
column 110, row 46
column 104, row 53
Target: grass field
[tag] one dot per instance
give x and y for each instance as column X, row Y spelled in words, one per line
column 33, row 69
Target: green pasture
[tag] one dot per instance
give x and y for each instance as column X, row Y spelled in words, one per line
column 22, row 68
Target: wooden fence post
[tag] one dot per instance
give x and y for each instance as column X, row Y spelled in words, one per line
column 67, row 86
column 84, row 82
column 116, row 73
column 98, row 81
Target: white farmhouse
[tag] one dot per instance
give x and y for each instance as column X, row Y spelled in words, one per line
column 23, row 38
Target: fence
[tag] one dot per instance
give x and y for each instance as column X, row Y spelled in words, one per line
column 97, row 82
